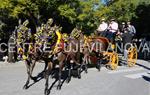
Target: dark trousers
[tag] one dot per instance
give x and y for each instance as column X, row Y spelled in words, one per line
column 102, row 33
column 111, row 36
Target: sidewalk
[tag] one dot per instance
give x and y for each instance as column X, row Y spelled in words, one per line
column 16, row 64
column 6, row 64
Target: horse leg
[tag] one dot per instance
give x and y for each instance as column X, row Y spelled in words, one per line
column 45, row 67
column 85, row 62
column 78, row 65
column 44, row 70
column 53, row 71
column 79, row 73
column 28, row 72
column 47, row 72
column 59, row 75
column 69, row 73
column 31, row 71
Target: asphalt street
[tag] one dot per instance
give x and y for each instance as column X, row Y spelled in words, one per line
column 123, row 81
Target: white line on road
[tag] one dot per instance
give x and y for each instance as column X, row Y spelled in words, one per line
column 138, row 75
column 126, row 70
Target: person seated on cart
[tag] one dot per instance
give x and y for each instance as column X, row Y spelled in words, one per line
column 102, row 29
column 131, row 29
column 112, row 30
column 122, row 27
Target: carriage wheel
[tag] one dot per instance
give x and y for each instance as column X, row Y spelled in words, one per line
column 113, row 59
column 132, row 56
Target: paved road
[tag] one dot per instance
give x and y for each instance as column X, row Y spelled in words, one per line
column 123, row 81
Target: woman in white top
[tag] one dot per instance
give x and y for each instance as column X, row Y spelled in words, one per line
column 102, row 28
column 113, row 28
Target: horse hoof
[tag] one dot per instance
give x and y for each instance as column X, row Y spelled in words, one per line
column 58, row 87
column 86, row 71
column 79, row 76
column 46, row 92
column 98, row 67
column 25, row 87
column 35, row 79
column 68, row 80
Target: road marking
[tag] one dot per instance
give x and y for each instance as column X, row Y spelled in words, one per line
column 126, row 70
column 138, row 75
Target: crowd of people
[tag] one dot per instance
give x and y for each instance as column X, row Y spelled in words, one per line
column 113, row 29
column 126, row 31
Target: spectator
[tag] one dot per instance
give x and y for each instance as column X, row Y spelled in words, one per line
column 127, row 39
column 131, row 29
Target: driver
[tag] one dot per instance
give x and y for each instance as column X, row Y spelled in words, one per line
column 102, row 28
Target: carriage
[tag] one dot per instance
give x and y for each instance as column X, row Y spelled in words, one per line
column 100, row 56
column 109, row 56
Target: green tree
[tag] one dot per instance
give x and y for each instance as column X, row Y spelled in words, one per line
column 80, row 13
column 68, row 14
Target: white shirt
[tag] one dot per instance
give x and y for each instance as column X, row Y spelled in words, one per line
column 103, row 26
column 113, row 27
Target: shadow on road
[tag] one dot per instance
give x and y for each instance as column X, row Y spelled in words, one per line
column 143, row 66
column 146, row 78
column 39, row 77
column 55, row 75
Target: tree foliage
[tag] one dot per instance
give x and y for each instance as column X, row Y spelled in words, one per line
column 67, row 13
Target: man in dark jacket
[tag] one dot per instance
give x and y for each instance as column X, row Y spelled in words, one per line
column 127, row 42
column 126, row 37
